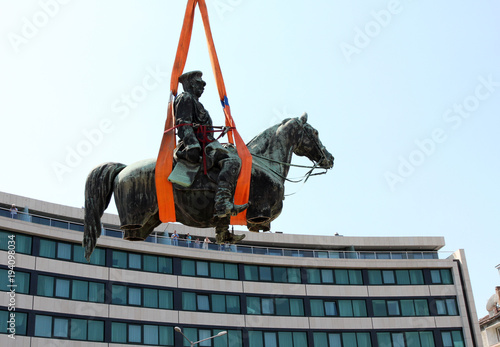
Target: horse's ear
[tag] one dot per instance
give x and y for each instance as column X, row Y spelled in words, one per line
column 303, row 118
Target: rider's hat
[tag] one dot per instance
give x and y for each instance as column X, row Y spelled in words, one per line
column 188, row 76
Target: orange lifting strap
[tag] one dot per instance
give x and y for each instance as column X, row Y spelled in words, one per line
column 164, row 189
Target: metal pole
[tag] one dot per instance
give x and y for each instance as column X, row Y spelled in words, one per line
column 197, row 342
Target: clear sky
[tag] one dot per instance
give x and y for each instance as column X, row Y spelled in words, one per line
column 405, row 95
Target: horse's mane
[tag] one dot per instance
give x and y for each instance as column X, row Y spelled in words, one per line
column 261, row 141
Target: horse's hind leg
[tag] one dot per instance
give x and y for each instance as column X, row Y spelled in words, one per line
column 142, row 232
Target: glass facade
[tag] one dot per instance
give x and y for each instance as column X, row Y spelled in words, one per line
column 340, row 308
column 210, row 269
column 334, row 276
column 69, row 328
column 141, row 262
column 406, row 339
column 147, row 334
column 72, row 289
column 272, row 274
column 441, row 276
column 342, row 339
column 402, row 307
column 23, row 242
column 280, row 306
column 395, row 277
column 16, row 320
column 70, row 252
column 233, row 338
column 138, row 296
column 277, row 339
column 76, row 326
column 217, row 303
column 18, row 280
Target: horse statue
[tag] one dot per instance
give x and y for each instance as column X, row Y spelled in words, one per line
column 135, row 191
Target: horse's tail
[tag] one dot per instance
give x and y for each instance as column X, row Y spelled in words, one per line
column 98, row 191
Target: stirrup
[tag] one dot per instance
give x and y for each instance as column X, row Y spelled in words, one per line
column 238, row 208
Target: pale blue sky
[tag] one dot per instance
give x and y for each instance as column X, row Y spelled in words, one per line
column 378, row 79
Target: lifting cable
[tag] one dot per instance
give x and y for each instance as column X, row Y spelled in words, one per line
column 164, row 188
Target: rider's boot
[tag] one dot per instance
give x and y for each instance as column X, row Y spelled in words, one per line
column 224, row 206
column 223, row 202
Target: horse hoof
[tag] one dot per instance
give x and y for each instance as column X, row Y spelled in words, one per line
column 236, row 238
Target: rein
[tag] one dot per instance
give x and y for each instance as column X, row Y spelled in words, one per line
column 303, row 178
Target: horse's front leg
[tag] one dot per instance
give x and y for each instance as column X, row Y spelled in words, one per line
column 223, row 235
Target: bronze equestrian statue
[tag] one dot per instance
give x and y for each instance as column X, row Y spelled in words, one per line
column 208, row 200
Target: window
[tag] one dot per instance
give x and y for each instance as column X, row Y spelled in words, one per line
column 351, row 339
column 275, row 306
column 145, row 297
column 272, row 274
column 202, row 268
column 446, row 307
column 337, row 276
column 63, row 251
column 313, row 276
column 406, row 339
column 417, row 307
column 216, row 303
column 209, row 269
column 231, row 339
column 393, row 308
column 71, row 252
column 70, row 289
column 267, row 305
column 405, row 307
column 61, row 327
column 20, row 318
column 23, row 242
column 134, row 296
column 120, row 260
column 62, row 288
column 399, row 277
column 331, row 308
column 20, row 279
column 147, row 334
column 144, row 262
column 134, row 261
column 441, row 276
column 341, row 308
column 74, row 329
column 327, row 276
column 277, row 339
column 383, row 308
column 203, row 302
column 265, row 273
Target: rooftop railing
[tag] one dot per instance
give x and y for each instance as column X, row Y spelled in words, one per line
column 237, row 248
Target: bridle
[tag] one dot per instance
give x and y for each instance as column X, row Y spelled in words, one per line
column 311, row 172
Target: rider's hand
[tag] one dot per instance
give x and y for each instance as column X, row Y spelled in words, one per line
column 193, row 155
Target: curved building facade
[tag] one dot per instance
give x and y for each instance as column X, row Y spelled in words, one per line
column 273, row 290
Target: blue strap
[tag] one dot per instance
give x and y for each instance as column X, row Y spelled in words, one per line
column 224, row 101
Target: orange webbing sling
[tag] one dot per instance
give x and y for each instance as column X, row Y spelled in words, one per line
column 164, row 189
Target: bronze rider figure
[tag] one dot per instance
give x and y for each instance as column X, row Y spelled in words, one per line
column 195, row 133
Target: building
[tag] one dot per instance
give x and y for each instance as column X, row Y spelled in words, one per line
column 490, row 324
column 272, row 290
